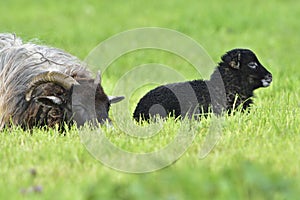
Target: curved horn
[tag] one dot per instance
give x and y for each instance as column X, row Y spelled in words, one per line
column 56, row 77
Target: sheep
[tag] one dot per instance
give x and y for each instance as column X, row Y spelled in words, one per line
column 239, row 74
column 46, row 86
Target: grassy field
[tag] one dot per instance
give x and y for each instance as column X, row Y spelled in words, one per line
column 257, row 156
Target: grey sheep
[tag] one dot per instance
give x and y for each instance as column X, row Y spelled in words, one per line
column 231, row 85
column 45, row 86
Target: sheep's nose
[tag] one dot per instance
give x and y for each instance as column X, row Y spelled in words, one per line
column 269, row 77
column 266, row 81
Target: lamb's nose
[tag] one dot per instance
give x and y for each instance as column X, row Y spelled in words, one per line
column 268, row 78
column 266, row 81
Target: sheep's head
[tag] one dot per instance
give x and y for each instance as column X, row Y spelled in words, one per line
column 245, row 63
column 56, row 98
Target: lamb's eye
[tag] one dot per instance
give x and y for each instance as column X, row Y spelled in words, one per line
column 252, row 65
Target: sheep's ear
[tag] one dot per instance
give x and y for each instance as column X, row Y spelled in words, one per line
column 234, row 64
column 48, row 100
column 115, row 99
column 233, row 60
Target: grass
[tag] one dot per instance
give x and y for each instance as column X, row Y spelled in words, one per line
column 257, row 155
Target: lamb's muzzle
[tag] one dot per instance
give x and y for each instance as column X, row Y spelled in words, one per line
column 267, row 80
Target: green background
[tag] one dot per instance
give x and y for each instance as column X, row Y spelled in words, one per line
column 257, row 156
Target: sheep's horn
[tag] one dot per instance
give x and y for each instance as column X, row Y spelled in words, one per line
column 56, row 77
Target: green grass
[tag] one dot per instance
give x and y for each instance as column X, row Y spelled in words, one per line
column 257, row 155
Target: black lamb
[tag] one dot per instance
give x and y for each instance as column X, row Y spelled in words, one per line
column 231, row 85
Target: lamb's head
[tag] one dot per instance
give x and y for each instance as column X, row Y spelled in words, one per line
column 245, row 64
column 56, row 98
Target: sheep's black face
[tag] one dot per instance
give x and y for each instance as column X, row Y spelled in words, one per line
column 85, row 102
column 89, row 103
column 52, row 104
column 250, row 70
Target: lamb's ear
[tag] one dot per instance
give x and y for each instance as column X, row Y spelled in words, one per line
column 48, row 100
column 234, row 64
column 115, row 99
column 233, row 60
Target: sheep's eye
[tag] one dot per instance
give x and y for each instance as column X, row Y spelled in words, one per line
column 252, row 65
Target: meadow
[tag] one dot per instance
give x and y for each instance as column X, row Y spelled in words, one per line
column 255, row 158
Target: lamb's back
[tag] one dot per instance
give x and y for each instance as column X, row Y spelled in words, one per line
column 176, row 99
